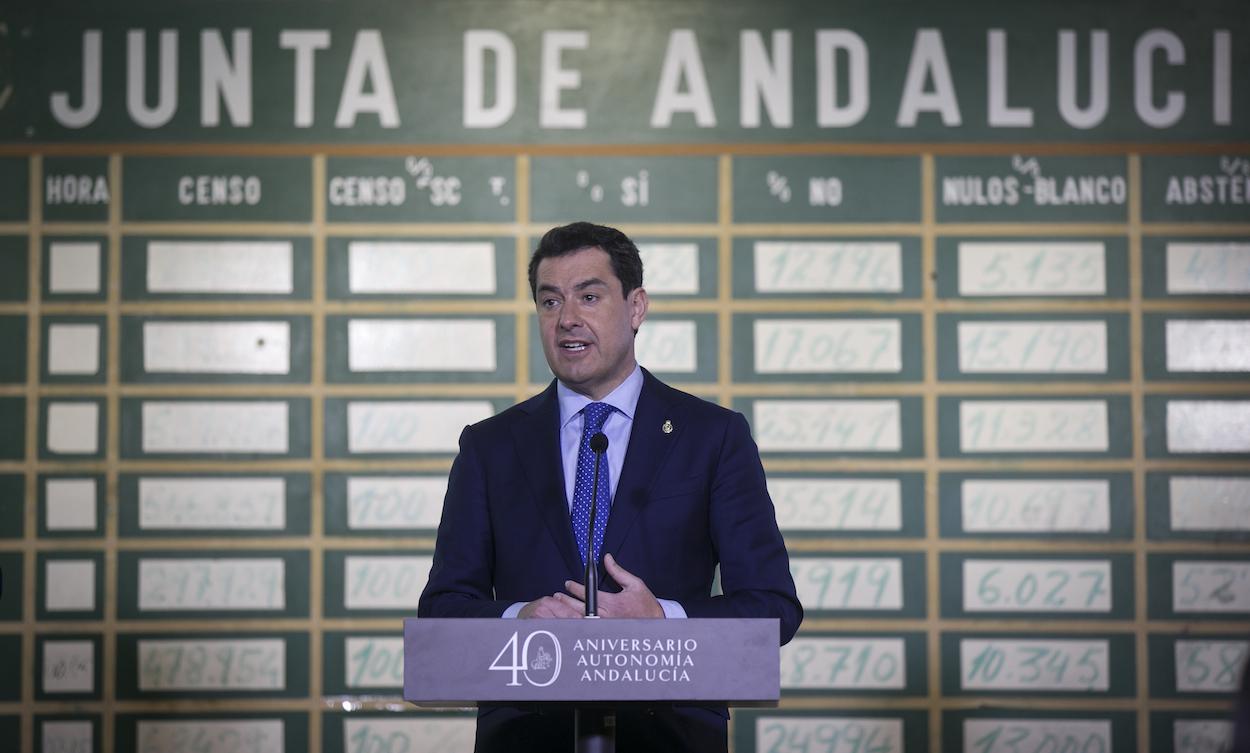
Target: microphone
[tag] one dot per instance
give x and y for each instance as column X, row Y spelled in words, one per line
column 598, row 445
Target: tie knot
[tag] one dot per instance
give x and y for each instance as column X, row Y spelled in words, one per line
column 595, row 414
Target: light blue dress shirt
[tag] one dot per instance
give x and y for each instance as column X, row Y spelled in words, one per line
column 617, row 427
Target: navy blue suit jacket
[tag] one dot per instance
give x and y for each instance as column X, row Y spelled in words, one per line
column 686, row 501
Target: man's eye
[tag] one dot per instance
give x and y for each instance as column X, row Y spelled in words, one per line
column 590, row 298
column 549, row 302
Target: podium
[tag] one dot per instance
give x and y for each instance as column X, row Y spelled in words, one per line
column 591, row 665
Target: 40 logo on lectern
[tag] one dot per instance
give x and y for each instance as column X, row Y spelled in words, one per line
column 537, row 659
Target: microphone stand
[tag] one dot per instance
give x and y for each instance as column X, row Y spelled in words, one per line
column 594, row 729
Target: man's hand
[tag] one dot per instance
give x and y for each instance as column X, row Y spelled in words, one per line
column 634, row 600
column 557, row 605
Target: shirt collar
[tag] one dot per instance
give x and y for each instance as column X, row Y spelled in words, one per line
column 624, row 398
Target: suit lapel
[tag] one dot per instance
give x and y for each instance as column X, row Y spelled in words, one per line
column 648, row 448
column 537, row 441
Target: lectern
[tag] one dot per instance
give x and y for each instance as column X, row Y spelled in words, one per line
column 591, row 665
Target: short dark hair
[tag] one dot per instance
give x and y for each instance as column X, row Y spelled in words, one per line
column 568, row 239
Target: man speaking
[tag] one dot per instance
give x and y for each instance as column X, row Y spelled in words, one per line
column 680, row 491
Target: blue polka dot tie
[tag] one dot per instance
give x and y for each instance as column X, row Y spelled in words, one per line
column 594, row 415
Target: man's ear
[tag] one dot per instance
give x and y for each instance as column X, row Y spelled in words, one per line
column 638, row 304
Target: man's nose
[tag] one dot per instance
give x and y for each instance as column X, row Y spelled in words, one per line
column 569, row 317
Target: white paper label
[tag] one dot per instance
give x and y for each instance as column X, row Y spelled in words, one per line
column 1208, row 346
column 1000, row 735
column 212, row 664
column 410, row 426
column 385, row 582
column 828, row 267
column 1208, row 268
column 1035, row 505
column 239, row 267
column 186, row 503
column 387, row 502
column 818, row 346
column 414, row 267
column 251, row 426
column 190, row 585
column 844, row 664
column 1000, row 268
column 1033, row 426
column 827, row 425
column 869, row 583
column 1209, row 503
column 1208, row 426
column 816, row 504
column 375, row 345
column 1082, row 586
column 217, row 347
column 668, row 346
column 670, row 268
column 1048, row 665
column 1058, row 347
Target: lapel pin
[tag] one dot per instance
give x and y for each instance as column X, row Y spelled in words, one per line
column 667, row 428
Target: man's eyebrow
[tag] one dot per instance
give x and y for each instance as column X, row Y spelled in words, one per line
column 589, row 283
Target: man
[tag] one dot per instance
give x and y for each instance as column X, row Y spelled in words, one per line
column 684, row 480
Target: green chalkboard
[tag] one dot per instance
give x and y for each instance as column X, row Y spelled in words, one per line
column 14, row 267
column 826, row 189
column 420, row 189
column 11, row 725
column 240, row 189
column 14, row 189
column 13, row 335
column 11, row 682
column 12, row 505
column 76, row 189
column 1023, row 188
column 13, row 415
column 11, row 565
column 1214, row 188
column 623, row 189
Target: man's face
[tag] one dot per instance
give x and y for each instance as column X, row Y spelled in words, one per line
column 587, row 325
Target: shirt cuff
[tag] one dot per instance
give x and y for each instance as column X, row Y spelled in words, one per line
column 672, row 610
column 511, row 612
